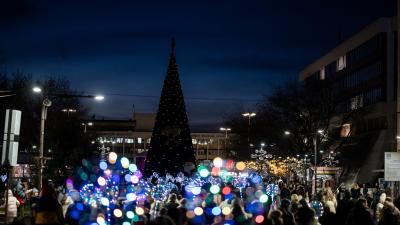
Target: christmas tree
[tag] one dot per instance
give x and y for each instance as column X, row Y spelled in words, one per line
column 171, row 143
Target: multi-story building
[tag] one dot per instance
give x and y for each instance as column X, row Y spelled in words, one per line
column 131, row 138
column 361, row 72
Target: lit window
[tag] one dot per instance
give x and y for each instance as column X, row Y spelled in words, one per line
column 139, row 140
column 341, row 63
column 322, row 74
column 345, row 131
column 356, row 102
column 194, row 141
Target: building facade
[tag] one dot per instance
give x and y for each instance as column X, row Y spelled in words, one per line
column 131, row 138
column 361, row 72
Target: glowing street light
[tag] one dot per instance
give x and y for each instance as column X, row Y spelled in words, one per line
column 287, row 132
column 249, row 115
column 99, row 97
column 37, row 89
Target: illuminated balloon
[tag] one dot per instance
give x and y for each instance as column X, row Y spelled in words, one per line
column 101, row 181
column 198, row 211
column 214, row 189
column 204, row 172
column 218, row 162
column 103, row 165
column 130, row 214
column 117, row 213
column 132, row 168
column 240, row 166
column 112, row 157
column 125, row 162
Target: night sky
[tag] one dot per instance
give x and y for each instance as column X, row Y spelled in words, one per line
column 230, row 53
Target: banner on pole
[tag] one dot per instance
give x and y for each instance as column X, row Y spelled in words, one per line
column 11, row 137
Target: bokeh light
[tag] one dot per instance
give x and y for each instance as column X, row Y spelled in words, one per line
column 214, row 189
column 218, row 162
column 198, row 211
column 240, row 166
column 101, row 181
column 139, row 211
column 132, row 168
column 259, row 219
column 103, row 165
column 125, row 162
column 117, row 213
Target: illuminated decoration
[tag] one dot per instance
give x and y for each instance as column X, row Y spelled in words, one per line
column 117, row 213
column 105, row 201
column 101, row 181
column 259, row 219
column 131, row 197
column 240, row 166
column 226, row 211
column 112, row 157
column 318, row 208
column 130, row 214
column 218, row 162
column 103, row 165
column 198, row 211
column 132, row 168
column 214, row 189
column 139, row 211
column 263, row 198
column 171, row 143
column 196, row 190
column 226, row 190
column 102, row 192
column 126, row 223
column 216, row 211
column 125, row 162
column 204, row 172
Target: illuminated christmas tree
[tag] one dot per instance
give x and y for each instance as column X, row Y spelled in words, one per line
column 171, row 143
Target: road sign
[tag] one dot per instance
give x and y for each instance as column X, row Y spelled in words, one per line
column 392, row 166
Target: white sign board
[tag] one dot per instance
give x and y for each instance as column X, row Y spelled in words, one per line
column 392, row 166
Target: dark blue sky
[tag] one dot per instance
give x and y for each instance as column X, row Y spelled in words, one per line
column 225, row 48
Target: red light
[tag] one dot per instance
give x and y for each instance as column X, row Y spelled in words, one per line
column 215, row 171
column 229, row 164
column 259, row 219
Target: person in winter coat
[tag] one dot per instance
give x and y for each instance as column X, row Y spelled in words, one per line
column 48, row 210
column 360, row 214
column 12, row 207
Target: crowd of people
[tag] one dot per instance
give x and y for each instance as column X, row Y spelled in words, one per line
column 292, row 205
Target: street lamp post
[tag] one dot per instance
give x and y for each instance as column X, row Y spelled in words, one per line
column 46, row 103
column 226, row 129
column 85, row 126
column 249, row 115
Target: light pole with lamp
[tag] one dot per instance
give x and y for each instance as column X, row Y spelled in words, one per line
column 46, row 103
column 226, row 129
column 315, row 145
column 85, row 125
column 249, row 115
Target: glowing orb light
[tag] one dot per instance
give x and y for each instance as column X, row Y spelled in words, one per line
column 204, row 172
column 229, row 164
column 126, row 223
column 196, row 190
column 103, row 165
column 104, row 201
column 218, row 162
column 127, row 177
column 226, row 211
column 130, row 214
column 216, row 211
column 101, row 181
column 117, row 213
column 112, row 157
column 125, row 162
column 215, row 171
column 139, row 211
column 263, row 198
column 132, row 168
column 214, row 189
column 240, row 166
column 134, row 179
column 198, row 211
column 100, row 220
column 190, row 214
column 259, row 219
column 131, row 196
column 226, row 190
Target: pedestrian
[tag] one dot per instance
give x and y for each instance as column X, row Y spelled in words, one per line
column 48, row 210
column 172, row 201
column 360, row 214
column 12, row 207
